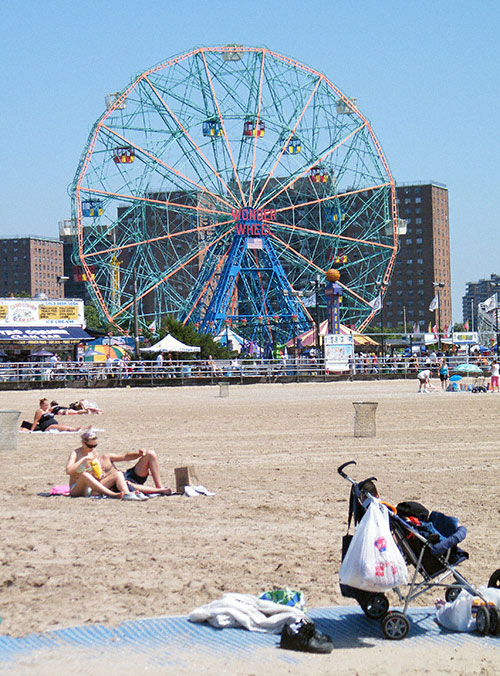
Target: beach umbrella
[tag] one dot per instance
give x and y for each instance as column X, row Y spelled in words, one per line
column 90, row 352
column 455, row 378
column 469, row 369
column 42, row 353
column 99, row 353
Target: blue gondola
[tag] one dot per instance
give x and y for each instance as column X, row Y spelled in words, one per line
column 294, row 146
column 334, row 215
column 91, row 208
column 212, row 128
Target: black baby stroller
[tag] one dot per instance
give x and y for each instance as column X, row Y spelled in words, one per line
column 428, row 542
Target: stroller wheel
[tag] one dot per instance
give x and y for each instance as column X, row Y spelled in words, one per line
column 482, row 620
column 494, row 580
column 451, row 593
column 376, row 606
column 494, row 621
column 395, row 625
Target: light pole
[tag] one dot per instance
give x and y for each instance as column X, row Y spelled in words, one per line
column 496, row 287
column 61, row 281
column 136, row 316
column 382, row 287
column 437, row 286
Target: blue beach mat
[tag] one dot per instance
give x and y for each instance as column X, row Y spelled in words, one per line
column 159, row 640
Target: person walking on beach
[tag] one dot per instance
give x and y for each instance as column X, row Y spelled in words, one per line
column 495, row 373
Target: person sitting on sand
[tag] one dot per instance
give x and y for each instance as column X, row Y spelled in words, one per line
column 137, row 475
column 85, row 479
column 81, row 407
column 45, row 420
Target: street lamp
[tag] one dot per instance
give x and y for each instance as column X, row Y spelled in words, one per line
column 382, row 287
column 61, row 281
column 317, row 281
column 496, row 287
column 437, row 286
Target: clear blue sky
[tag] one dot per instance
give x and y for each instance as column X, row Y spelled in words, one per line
column 426, row 74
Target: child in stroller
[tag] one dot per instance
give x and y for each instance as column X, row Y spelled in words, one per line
column 429, row 542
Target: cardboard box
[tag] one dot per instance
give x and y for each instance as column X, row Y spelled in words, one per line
column 185, row 476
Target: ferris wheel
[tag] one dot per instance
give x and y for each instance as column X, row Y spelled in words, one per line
column 219, row 183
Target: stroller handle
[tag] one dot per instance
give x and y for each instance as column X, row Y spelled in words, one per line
column 340, row 470
column 346, row 464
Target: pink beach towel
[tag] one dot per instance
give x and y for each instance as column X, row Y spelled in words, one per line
column 60, row 490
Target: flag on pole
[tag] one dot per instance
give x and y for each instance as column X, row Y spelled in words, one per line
column 310, row 301
column 429, row 328
column 434, row 303
column 466, row 325
column 415, row 327
column 490, row 303
column 376, row 303
column 152, row 326
column 445, row 331
column 435, row 330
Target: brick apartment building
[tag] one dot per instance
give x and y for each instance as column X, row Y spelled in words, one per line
column 31, row 265
column 423, row 258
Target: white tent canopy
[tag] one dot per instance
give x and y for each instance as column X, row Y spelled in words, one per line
column 170, row 344
column 234, row 340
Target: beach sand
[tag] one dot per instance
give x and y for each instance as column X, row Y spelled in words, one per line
column 270, row 454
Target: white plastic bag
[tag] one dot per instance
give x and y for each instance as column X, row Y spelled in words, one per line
column 457, row 615
column 373, row 561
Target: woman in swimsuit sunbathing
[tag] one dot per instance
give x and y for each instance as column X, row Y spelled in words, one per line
column 82, row 407
column 82, row 477
column 45, row 420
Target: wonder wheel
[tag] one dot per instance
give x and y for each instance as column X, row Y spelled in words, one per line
column 219, row 183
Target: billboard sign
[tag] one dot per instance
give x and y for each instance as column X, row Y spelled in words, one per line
column 41, row 312
column 465, row 338
column 339, row 352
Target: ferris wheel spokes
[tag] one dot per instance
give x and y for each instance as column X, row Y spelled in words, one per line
column 193, row 142
column 223, row 128
column 188, row 259
column 291, row 134
column 321, row 159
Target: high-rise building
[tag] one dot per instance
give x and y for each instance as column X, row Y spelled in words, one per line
column 475, row 293
column 31, row 265
column 423, row 260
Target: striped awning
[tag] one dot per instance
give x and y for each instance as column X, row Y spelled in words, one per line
column 308, row 338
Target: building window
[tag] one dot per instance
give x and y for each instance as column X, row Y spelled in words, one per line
column 418, row 200
column 409, row 261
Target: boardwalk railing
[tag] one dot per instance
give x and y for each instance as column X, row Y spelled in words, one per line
column 243, row 370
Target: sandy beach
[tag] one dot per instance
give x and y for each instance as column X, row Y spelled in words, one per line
column 270, row 454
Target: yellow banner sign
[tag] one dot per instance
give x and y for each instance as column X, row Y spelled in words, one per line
column 58, row 312
column 3, row 311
